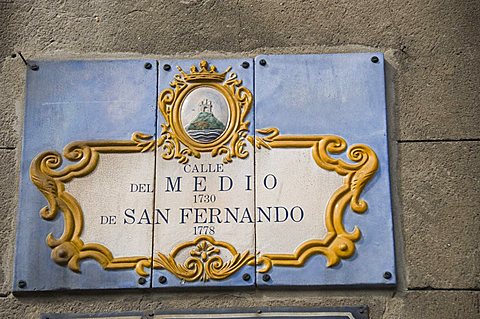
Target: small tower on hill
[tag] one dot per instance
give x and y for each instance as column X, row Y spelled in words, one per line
column 206, row 106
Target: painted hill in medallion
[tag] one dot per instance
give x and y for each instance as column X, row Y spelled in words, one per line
column 205, row 127
column 205, row 120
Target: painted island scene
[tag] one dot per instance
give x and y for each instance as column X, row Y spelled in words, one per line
column 205, row 114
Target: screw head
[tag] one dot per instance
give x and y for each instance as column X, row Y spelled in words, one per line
column 266, row 277
column 387, row 275
column 245, row 65
column 22, row 284
column 246, row 277
column 142, row 281
column 162, row 279
column 263, row 62
column 167, row 67
column 148, row 65
column 375, row 59
column 34, row 67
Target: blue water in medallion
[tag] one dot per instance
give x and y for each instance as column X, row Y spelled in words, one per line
column 205, row 136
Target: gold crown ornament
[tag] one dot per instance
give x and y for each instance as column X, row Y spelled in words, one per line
column 205, row 73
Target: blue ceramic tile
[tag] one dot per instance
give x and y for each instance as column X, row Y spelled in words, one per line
column 341, row 95
column 168, row 236
column 69, row 101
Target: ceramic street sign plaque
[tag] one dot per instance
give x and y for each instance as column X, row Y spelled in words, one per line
column 265, row 172
column 295, row 313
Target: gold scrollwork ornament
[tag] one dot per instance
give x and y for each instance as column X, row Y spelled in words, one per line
column 173, row 138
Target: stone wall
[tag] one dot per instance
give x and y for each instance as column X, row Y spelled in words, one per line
column 432, row 52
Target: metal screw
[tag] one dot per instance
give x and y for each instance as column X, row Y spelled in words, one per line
column 34, row 67
column 162, row 279
column 374, row 59
column 142, row 281
column 387, row 275
column 148, row 65
column 245, row 65
column 22, row 284
column 263, row 62
column 246, row 277
column 266, row 277
column 259, row 311
column 167, row 67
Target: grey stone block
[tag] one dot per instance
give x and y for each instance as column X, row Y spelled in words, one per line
column 12, row 84
column 144, row 27
column 439, row 184
column 438, row 96
column 436, row 82
column 8, row 213
column 434, row 305
column 305, row 23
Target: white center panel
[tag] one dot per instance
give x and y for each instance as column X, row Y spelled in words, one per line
column 117, row 203
column 292, row 193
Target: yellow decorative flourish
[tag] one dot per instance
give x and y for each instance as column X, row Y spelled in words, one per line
column 69, row 249
column 338, row 243
column 208, row 259
column 205, row 261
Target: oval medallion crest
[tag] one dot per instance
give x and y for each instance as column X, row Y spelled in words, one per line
column 205, row 114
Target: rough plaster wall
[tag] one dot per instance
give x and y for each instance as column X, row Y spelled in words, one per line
column 432, row 50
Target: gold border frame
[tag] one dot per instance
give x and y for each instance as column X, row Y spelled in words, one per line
column 204, row 262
